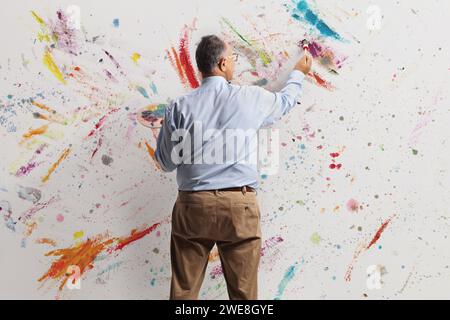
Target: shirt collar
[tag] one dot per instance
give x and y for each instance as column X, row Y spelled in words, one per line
column 214, row 79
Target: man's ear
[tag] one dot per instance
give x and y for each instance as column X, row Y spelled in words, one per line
column 222, row 65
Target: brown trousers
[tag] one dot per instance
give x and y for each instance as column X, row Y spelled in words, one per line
column 229, row 219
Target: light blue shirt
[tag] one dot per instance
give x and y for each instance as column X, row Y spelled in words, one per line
column 221, row 105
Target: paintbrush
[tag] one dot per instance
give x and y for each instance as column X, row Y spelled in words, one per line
column 305, row 45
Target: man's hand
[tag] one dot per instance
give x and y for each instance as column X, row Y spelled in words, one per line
column 304, row 64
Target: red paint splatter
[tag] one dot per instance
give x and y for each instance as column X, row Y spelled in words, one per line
column 135, row 235
column 99, row 144
column 186, row 61
column 379, row 232
column 335, row 165
column 181, row 61
column 320, row 81
column 100, row 122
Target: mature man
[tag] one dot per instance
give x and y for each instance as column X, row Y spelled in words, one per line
column 217, row 201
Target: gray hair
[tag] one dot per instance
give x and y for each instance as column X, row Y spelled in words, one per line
column 208, row 53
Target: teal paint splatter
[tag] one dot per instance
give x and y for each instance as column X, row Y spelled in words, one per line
column 143, row 92
column 153, row 88
column 303, row 13
column 288, row 276
column 116, row 23
column 113, row 266
column 261, row 82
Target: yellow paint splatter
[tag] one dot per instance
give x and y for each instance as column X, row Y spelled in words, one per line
column 50, row 64
column 135, row 57
column 78, row 234
column 44, row 34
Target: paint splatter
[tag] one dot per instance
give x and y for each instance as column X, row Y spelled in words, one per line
column 101, row 122
column 62, row 157
column 317, row 79
column 6, row 213
column 378, row 233
column 135, row 57
column 34, row 132
column 51, row 65
column 181, row 61
column 315, row 238
column 334, row 165
column 135, row 235
column 142, row 91
column 28, row 214
column 264, row 56
column 84, row 254
column 352, row 205
column 29, row 194
column 78, row 234
column 107, row 160
column 301, row 11
column 288, row 276
column 151, row 152
column 116, row 23
column 362, row 247
column 81, row 255
column 64, row 33
column 46, row 241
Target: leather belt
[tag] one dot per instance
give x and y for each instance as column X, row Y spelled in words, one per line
column 243, row 188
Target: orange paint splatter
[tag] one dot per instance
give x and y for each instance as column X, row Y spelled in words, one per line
column 81, row 255
column 56, row 164
column 54, row 116
column 151, row 152
column 35, row 132
column 46, row 241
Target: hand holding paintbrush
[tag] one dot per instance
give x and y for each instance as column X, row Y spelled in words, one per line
column 305, row 62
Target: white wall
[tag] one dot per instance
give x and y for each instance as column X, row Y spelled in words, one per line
column 391, row 94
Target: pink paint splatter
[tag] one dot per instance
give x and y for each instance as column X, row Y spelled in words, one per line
column 352, row 205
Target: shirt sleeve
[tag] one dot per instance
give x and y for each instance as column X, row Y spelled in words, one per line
column 273, row 105
column 164, row 144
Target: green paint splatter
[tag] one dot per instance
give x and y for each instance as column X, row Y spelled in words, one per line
column 264, row 56
column 315, row 238
column 415, row 152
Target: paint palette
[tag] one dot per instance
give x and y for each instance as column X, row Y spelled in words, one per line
column 152, row 116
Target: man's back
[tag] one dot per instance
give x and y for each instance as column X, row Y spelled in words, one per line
column 217, row 125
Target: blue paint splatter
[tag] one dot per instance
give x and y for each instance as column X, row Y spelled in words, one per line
column 302, row 12
column 143, row 92
column 288, row 276
column 116, row 23
column 153, row 87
